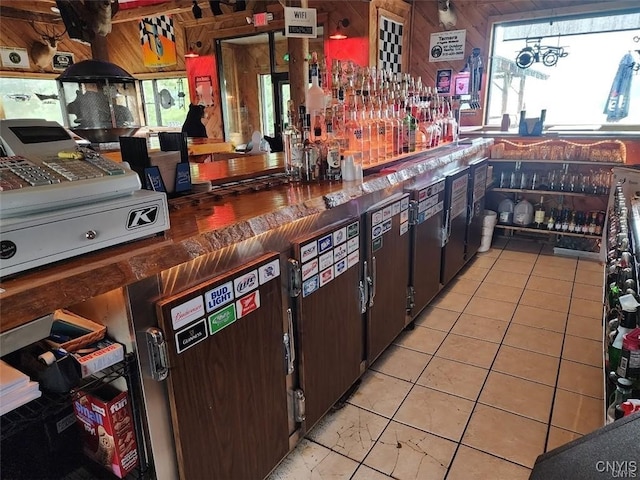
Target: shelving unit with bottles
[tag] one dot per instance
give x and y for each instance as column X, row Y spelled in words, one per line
column 569, row 181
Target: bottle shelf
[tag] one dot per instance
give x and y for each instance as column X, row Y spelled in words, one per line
column 563, row 162
column 550, row 192
column 548, row 232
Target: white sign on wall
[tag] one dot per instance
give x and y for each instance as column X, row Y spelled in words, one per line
column 14, row 57
column 446, row 46
column 300, row 22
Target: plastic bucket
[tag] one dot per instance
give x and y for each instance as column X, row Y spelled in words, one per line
column 490, row 218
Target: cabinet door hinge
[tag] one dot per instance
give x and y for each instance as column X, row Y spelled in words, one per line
column 411, row 297
column 299, row 413
column 413, row 212
column 295, row 277
column 289, row 345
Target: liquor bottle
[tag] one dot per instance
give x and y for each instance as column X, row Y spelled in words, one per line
column 592, row 223
column 565, row 220
column 315, row 103
column 572, row 221
column 354, row 137
column 310, row 154
column 409, row 131
column 551, row 221
column 599, row 223
column 333, row 155
column 365, row 125
column 292, row 145
column 558, row 225
column 539, row 214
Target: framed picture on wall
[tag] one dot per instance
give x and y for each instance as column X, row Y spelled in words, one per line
column 390, row 41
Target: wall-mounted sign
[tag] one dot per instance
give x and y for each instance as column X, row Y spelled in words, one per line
column 300, row 22
column 14, row 57
column 446, row 46
column 262, row 19
column 62, row 60
column 204, row 90
column 443, row 81
column 158, row 41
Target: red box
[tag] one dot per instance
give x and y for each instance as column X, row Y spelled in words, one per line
column 108, row 432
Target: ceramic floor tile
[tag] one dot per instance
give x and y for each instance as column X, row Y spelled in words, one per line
column 550, row 285
column 501, row 433
column 577, row 413
column 464, row 287
column 519, row 396
column 557, row 273
column 509, row 279
column 493, row 252
column 451, row 301
column 452, row 377
column 590, row 277
column 472, row 464
column 435, row 412
column 590, row 265
column 548, row 301
column 528, row 365
column 482, row 328
column 540, row 318
column 586, row 308
column 559, row 436
column 401, row 362
column 468, row 350
column 585, row 327
column 500, row 242
column 547, row 250
column 421, row 339
column 438, row 318
column 504, row 265
column 503, row 293
column 488, row 308
column 524, row 257
column 366, row 473
column 310, row 461
column 474, row 273
column 556, row 261
column 380, row 393
column 351, row 431
column 582, row 350
column 587, row 292
column 581, row 378
column 484, row 261
column 523, row 246
column 534, row 339
column 407, row 453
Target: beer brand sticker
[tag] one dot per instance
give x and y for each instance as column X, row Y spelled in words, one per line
column 353, row 259
column 308, row 251
column 352, row 245
column 353, row 230
column 326, row 260
column 269, row 271
column 404, row 228
column 376, row 231
column 326, row 276
column 421, row 217
column 221, row 319
column 218, row 296
column 439, row 206
column 191, row 336
column 187, row 312
column 432, row 200
column 248, row 304
column 404, row 203
column 340, row 252
column 309, row 269
column 387, row 212
column 377, row 244
column 376, row 217
column 245, row 283
column 422, row 206
column 430, row 212
column 422, row 194
column 441, row 187
column 310, row 286
column 340, row 236
column 396, row 208
column 340, row 267
column 386, row 226
column 325, row 243
column 404, row 216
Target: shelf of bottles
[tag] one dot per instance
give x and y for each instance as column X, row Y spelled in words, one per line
column 621, row 332
column 355, row 118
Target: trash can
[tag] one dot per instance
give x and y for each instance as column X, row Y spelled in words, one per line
column 488, row 223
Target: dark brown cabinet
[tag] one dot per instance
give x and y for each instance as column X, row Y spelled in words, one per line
column 455, row 223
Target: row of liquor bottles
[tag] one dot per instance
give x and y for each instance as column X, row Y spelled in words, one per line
column 592, row 182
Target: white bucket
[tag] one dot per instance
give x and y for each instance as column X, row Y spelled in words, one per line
column 490, row 218
column 487, row 231
column 485, row 243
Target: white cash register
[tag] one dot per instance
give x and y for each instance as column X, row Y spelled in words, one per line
column 59, row 199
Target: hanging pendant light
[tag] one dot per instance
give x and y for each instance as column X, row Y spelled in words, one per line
column 192, row 53
column 339, row 33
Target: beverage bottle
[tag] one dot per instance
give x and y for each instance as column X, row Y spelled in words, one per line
column 628, row 321
column 353, row 129
column 572, row 221
column 310, row 154
column 315, row 103
column 539, row 214
column 333, row 155
column 558, row 225
column 365, row 124
column 622, row 393
column 551, row 221
column 409, row 131
column 592, row 223
column 390, row 138
column 565, row 220
column 599, row 223
column 292, row 145
column 380, row 126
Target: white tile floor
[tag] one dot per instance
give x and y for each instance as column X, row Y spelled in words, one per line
column 505, row 364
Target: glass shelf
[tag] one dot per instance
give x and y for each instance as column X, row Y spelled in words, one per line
column 549, row 232
column 550, row 192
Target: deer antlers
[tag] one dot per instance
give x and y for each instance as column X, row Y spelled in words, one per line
column 51, row 39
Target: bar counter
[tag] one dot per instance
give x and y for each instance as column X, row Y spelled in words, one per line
column 203, row 223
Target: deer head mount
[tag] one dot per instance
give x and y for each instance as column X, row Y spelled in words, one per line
column 42, row 52
column 447, row 16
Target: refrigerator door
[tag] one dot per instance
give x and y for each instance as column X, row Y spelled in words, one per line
column 455, row 228
column 387, row 242
column 227, row 372
column 477, row 188
column 426, row 243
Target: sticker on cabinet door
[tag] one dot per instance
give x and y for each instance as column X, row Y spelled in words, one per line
column 269, row 271
column 386, row 225
column 422, row 194
column 353, row 230
column 340, row 252
column 352, row 245
column 422, row 206
column 404, row 216
column 326, row 276
column 339, row 236
column 325, row 243
column 387, row 212
column 309, row 269
column 187, row 312
column 376, row 217
column 248, row 304
column 404, row 203
column 308, row 251
column 191, row 336
column 341, row 267
column 245, row 283
column 376, row 231
column 310, row 286
column 353, row 259
column 326, row 260
column 396, row 208
column 377, row 244
column 404, row 228
column 439, row 206
column 219, row 296
column 221, row 319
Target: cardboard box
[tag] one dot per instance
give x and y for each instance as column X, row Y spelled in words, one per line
column 108, row 431
column 101, row 355
column 71, row 332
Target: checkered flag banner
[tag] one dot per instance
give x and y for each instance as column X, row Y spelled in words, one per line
column 390, row 45
column 160, row 26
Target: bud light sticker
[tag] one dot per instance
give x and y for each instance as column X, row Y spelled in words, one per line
column 386, row 226
column 309, row 269
column 325, row 243
column 248, row 304
column 269, row 271
column 339, row 252
column 308, row 251
column 352, row 245
column 396, row 208
column 376, row 231
column 404, row 203
column 422, row 194
column 191, row 336
column 218, row 296
column 310, row 286
column 326, row 276
column 376, row 217
column 387, row 212
column 353, row 259
column 326, row 260
column 340, row 267
column 404, row 216
column 246, row 283
column 187, row 312
column 221, row 319
column 353, row 230
column 404, row 228
column 340, row 236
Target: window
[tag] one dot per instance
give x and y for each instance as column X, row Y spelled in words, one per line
column 573, row 64
column 166, row 101
column 30, row 98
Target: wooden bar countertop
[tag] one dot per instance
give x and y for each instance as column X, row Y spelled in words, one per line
column 201, row 225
